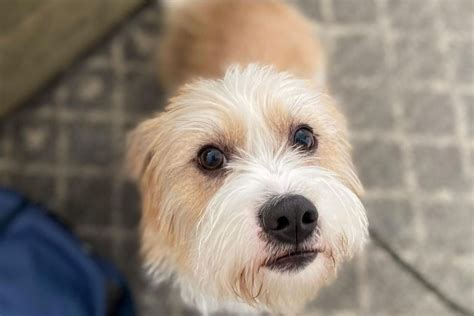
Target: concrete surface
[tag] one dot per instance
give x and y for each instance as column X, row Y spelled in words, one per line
column 38, row 39
column 403, row 71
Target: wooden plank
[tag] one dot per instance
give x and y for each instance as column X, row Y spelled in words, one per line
column 39, row 38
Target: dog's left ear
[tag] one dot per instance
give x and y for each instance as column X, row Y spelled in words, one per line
column 140, row 144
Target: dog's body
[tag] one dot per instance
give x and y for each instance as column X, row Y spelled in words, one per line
column 250, row 201
column 205, row 37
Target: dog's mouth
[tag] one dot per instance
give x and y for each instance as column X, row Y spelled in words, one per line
column 293, row 261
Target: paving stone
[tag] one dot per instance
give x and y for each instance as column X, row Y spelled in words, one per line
column 151, row 21
column 119, row 149
column 130, row 264
column 4, row 176
column 4, row 136
column 428, row 113
column 462, row 54
column 138, row 42
column 143, row 94
column 439, row 168
column 470, row 165
column 34, row 140
column 131, row 208
column 402, row 19
column 354, row 11
column 311, row 8
column 36, row 109
column 379, row 164
column 431, row 305
column 468, row 103
column 88, row 201
column 342, row 294
column 366, row 107
column 39, row 188
column 357, row 56
column 90, row 144
column 453, row 276
column 391, row 290
column 89, row 89
column 98, row 60
column 393, row 219
column 138, row 47
column 414, row 59
column 100, row 244
column 151, row 299
column 457, row 15
column 439, row 217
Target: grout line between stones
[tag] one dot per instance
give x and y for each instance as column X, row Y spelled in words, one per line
column 62, row 146
column 459, row 111
column 410, row 181
column 119, row 69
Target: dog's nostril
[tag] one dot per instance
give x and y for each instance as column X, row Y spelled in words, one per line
column 309, row 217
column 282, row 223
column 291, row 220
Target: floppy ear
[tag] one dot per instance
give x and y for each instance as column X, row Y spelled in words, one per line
column 140, row 144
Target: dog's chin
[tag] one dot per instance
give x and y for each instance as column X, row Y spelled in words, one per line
column 276, row 281
column 292, row 262
column 292, row 279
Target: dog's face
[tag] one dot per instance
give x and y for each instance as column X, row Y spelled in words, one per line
column 248, row 189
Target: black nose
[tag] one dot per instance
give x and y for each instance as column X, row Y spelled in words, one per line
column 289, row 219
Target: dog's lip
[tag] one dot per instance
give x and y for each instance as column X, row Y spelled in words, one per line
column 293, row 261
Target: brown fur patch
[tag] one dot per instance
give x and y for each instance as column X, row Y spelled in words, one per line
column 205, row 37
column 173, row 187
column 202, row 40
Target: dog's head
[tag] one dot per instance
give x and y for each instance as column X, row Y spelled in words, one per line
column 248, row 190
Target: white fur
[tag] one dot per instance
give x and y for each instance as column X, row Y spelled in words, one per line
column 225, row 243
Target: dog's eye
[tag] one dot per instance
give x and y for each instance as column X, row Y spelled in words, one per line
column 303, row 138
column 211, row 158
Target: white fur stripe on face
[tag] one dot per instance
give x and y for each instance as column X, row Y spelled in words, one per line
column 224, row 252
column 229, row 234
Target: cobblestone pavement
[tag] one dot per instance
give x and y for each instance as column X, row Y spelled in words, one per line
column 403, row 71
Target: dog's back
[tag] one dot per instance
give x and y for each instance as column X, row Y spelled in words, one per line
column 204, row 37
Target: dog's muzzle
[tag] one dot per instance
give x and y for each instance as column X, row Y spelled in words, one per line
column 289, row 220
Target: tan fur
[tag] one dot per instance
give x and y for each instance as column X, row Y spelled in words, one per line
column 202, row 39
column 153, row 139
column 205, row 37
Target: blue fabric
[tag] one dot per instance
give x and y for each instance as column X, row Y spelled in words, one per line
column 44, row 269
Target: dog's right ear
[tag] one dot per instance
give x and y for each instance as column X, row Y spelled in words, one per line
column 140, row 144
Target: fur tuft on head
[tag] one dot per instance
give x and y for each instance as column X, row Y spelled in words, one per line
column 202, row 227
column 245, row 77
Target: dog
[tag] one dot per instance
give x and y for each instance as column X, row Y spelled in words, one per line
column 250, row 201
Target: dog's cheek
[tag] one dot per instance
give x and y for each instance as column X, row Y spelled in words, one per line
column 227, row 248
column 343, row 221
column 172, row 208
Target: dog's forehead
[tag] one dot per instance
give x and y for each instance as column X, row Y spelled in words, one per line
column 256, row 103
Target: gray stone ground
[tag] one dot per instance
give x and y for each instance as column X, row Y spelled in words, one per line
column 403, row 71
